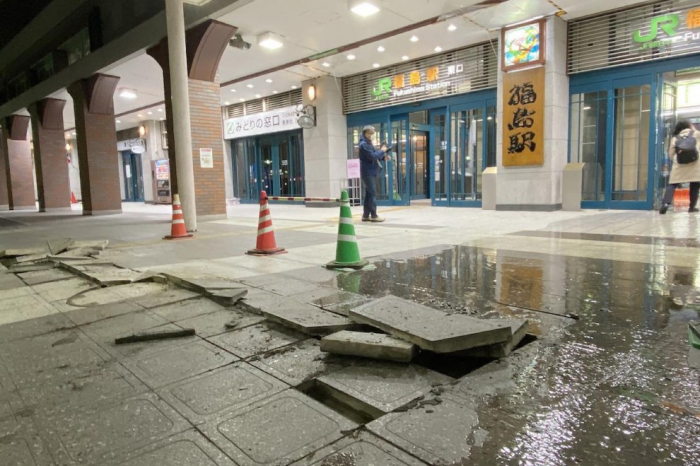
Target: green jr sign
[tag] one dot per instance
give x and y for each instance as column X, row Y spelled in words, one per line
column 383, row 89
column 665, row 23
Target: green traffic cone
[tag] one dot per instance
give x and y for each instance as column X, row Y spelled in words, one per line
column 347, row 253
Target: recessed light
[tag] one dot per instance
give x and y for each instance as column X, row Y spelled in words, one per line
column 119, row 121
column 270, row 41
column 161, row 119
column 242, row 99
column 250, row 86
column 139, row 115
column 363, row 8
column 438, row 49
column 128, row 94
column 404, row 58
column 294, row 87
column 257, row 96
column 451, row 27
column 150, row 113
column 376, row 65
column 380, row 49
column 233, row 90
column 326, row 64
column 414, row 39
column 227, row 103
column 351, row 57
column 160, row 109
column 268, row 80
column 274, row 92
column 73, row 133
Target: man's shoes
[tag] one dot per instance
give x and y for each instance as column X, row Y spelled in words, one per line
column 365, row 219
column 693, row 209
column 377, row 220
column 664, row 208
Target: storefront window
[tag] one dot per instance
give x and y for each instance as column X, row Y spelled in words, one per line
column 588, row 120
column 440, row 151
column 467, row 160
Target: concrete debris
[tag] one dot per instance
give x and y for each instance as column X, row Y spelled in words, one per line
column 230, row 296
column 154, row 336
column 203, row 285
column 306, row 318
column 428, row 328
column 368, row 345
column 8, row 253
column 59, row 245
column 500, row 350
column 31, row 258
column 95, row 245
column 38, row 267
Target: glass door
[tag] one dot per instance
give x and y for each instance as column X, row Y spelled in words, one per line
column 268, row 156
column 133, row 177
column 420, row 175
column 399, row 167
column 467, row 157
column 438, row 140
column 666, row 117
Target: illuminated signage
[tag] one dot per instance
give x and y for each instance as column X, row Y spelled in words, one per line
column 666, row 30
column 416, row 82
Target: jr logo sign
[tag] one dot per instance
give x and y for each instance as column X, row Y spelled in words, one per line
column 665, row 23
column 383, row 89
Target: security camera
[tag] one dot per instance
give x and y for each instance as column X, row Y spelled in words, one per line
column 239, row 43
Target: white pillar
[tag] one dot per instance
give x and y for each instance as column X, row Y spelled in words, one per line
column 179, row 85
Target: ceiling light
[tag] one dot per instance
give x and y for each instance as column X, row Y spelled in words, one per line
column 311, row 91
column 242, row 99
column 68, row 147
column 119, row 121
column 257, row 96
column 270, row 41
column 326, row 64
column 127, row 94
column 294, row 87
column 250, row 86
column 268, row 80
column 363, row 8
column 451, row 27
column 227, row 103
column 162, row 119
column 380, row 49
column 414, row 39
column 160, row 109
column 376, row 65
column 274, row 92
column 150, row 113
column 438, row 49
column 139, row 115
column 73, row 133
column 233, row 90
column 351, row 57
column 404, row 58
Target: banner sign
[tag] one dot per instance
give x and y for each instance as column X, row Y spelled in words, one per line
column 523, row 117
column 274, row 121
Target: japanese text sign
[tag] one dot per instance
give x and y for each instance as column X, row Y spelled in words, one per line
column 523, row 117
column 206, row 158
column 283, row 119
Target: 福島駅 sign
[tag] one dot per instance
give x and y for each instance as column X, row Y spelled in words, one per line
column 668, row 29
column 415, row 82
column 273, row 121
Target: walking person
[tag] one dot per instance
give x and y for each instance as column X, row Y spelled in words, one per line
column 683, row 155
column 369, row 170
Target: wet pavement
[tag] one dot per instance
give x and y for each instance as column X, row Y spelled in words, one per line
column 604, row 377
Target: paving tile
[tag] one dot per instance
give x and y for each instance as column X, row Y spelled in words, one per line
column 33, row 327
column 201, row 398
column 256, row 339
column 280, row 285
column 333, row 300
column 306, row 318
column 135, row 291
column 518, row 328
column 186, row 309
column 95, row 296
column 365, row 450
column 13, row 415
column 44, row 276
column 300, row 362
column 167, row 296
column 21, row 252
column 10, row 282
column 437, row 434
column 107, row 330
column 175, row 364
column 214, row 323
column 96, row 435
column 63, row 290
column 92, row 314
column 277, row 430
column 189, row 448
column 24, row 448
column 369, row 345
column 378, row 387
column 429, row 328
column 14, row 293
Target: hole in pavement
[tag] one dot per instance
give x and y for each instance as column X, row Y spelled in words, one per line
column 355, row 410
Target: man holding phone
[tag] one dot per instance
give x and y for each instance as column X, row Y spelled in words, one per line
column 369, row 170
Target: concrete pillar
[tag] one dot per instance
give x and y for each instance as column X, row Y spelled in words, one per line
column 326, row 145
column 4, row 186
column 19, row 169
column 205, row 46
column 180, row 101
column 539, row 187
column 53, row 183
column 96, row 138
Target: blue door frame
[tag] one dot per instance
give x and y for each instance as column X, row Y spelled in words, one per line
column 617, row 78
column 400, row 113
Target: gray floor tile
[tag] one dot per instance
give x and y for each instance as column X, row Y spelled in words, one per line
column 256, row 339
column 187, row 309
column 214, row 323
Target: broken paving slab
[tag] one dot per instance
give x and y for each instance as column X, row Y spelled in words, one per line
column 428, row 328
column 201, row 285
column 218, row 322
column 186, row 309
column 376, row 387
column 307, row 318
column 7, row 253
column 37, row 267
column 58, row 246
column 108, row 275
column 368, row 345
column 278, row 430
column 31, row 258
column 257, row 339
column 229, row 296
column 518, row 328
column 95, row 245
column 44, row 276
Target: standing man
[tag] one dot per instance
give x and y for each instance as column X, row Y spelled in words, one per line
column 369, row 169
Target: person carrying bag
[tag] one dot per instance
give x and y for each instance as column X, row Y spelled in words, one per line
column 683, row 153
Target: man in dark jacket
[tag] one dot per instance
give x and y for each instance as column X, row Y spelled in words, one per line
column 369, row 170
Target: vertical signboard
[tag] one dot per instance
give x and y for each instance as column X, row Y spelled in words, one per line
column 523, row 117
column 206, row 158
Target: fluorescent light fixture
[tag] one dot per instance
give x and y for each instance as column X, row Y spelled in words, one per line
column 150, row 113
column 311, row 92
column 142, row 131
column 586, row 108
column 274, row 92
column 376, row 65
column 227, row 103
column 160, row 109
column 197, row 2
column 294, row 87
column 438, row 49
column 257, row 96
column 404, row 58
column 351, row 57
column 241, row 99
column 139, row 115
column 270, row 41
column 268, row 80
column 414, row 39
column 451, row 28
column 161, row 119
column 380, row 48
column 233, row 90
column 119, row 121
column 127, row 94
column 682, row 111
column 250, row 86
column 73, row 133
column 326, row 64
column 363, row 8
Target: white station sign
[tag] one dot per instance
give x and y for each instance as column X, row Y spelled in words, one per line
column 274, row 121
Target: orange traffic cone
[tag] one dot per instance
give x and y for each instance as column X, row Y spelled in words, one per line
column 266, row 244
column 178, row 230
column 73, row 200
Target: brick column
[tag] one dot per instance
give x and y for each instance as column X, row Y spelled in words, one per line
column 4, row 187
column 53, row 185
column 18, row 163
column 205, row 45
column 93, row 100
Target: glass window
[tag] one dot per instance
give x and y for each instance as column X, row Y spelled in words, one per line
column 440, row 154
column 588, row 127
column 467, row 158
column 630, row 158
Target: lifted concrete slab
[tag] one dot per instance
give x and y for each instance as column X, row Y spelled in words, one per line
column 306, row 318
column 38, row 267
column 439, row 434
column 364, row 450
column 428, row 328
column 96, row 245
column 109, row 275
column 369, row 345
column 518, row 329
column 376, row 388
column 201, row 285
column 31, row 258
column 165, row 295
column 215, row 323
column 299, row 363
column 187, row 308
column 279, row 284
column 219, row 392
column 44, row 276
column 277, row 430
column 7, row 253
column 257, row 339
